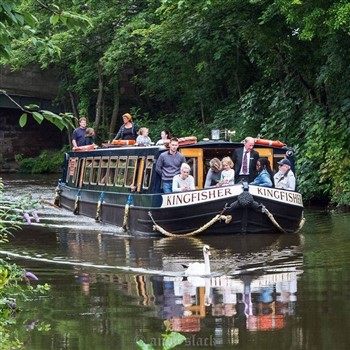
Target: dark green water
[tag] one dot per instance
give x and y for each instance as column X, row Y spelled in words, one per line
column 109, row 289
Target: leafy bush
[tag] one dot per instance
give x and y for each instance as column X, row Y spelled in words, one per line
column 47, row 162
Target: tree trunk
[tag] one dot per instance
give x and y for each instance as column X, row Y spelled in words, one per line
column 99, row 96
column 115, row 112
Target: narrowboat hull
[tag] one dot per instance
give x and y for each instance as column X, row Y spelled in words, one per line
column 267, row 210
column 119, row 186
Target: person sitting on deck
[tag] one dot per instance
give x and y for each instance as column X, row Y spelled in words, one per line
column 165, row 135
column 89, row 136
column 227, row 174
column 214, row 173
column 265, row 176
column 143, row 139
column 285, row 178
column 183, row 181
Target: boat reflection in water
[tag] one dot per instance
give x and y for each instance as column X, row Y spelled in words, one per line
column 253, row 286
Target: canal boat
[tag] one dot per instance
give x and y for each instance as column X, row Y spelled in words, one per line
column 118, row 185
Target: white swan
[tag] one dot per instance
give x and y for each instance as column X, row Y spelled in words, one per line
column 200, row 269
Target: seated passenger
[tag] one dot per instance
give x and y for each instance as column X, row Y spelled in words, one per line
column 165, row 136
column 89, row 136
column 285, row 178
column 183, row 181
column 265, row 174
column 227, row 174
column 214, row 173
column 143, row 139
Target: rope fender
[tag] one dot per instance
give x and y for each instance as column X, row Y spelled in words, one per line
column 76, row 204
column 57, row 200
column 126, row 213
column 216, row 218
column 98, row 209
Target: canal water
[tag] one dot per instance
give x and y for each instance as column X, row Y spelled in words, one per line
column 109, row 290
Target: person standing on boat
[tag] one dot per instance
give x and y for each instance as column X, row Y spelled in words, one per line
column 265, row 176
column 164, row 137
column 128, row 131
column 168, row 164
column 78, row 137
column 285, row 178
column 245, row 161
column 214, row 174
column 183, row 181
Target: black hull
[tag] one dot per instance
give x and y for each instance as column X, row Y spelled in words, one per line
column 144, row 211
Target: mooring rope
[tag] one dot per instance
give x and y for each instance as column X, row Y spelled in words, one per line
column 216, row 218
column 272, row 218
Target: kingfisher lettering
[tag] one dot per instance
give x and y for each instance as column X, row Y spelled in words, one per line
column 180, row 199
column 279, row 195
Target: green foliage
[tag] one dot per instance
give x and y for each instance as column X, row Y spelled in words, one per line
column 12, row 276
column 269, row 68
column 47, row 162
column 170, row 339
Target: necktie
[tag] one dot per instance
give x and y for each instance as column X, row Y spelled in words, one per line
column 245, row 163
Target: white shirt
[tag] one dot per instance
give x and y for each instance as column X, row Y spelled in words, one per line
column 229, row 176
column 179, row 183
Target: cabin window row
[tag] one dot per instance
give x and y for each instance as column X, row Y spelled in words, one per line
column 111, row 171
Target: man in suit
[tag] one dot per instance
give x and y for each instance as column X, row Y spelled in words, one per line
column 245, row 161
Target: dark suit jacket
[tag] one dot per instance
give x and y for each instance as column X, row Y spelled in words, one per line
column 237, row 160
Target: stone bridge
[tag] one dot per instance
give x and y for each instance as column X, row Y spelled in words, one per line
column 30, row 85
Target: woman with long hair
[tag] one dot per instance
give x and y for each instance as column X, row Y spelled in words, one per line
column 265, row 176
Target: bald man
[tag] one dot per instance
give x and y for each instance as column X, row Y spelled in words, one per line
column 245, row 159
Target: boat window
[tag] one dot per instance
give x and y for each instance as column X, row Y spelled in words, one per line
column 148, row 172
column 103, row 171
column 87, row 171
column 120, row 174
column 113, row 163
column 95, row 168
column 192, row 162
column 130, row 174
column 194, row 158
column 72, row 169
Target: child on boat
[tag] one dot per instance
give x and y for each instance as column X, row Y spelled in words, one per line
column 89, row 136
column 227, row 173
column 143, row 139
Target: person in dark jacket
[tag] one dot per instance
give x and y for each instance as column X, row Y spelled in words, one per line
column 129, row 130
column 245, row 159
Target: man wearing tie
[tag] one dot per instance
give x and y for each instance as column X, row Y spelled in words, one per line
column 245, row 161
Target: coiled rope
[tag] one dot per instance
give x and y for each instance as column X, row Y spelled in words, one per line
column 216, row 218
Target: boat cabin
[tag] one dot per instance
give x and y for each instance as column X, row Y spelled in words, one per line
column 132, row 168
